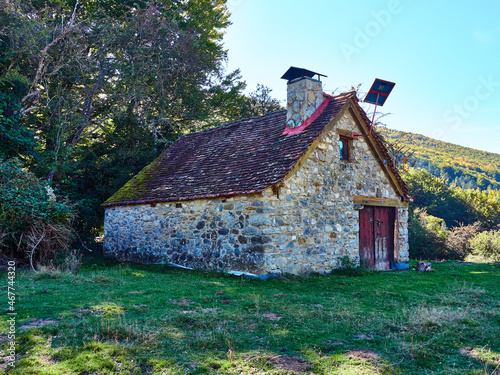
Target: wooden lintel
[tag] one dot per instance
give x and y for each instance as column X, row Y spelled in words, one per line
column 384, row 202
column 344, row 132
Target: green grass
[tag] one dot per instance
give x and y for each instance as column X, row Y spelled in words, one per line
column 132, row 319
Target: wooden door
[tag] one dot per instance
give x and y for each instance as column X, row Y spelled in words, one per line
column 376, row 237
column 367, row 237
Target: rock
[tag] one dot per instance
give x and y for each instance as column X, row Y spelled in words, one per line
column 259, row 220
column 223, row 231
column 423, row 267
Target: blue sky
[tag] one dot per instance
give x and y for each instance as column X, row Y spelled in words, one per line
column 444, row 57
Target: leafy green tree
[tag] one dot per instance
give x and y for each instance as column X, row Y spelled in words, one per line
column 88, row 64
column 424, row 242
column 104, row 165
column 92, row 91
column 432, row 194
column 15, row 139
column 260, row 102
column 484, row 203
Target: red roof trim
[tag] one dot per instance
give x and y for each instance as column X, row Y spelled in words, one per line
column 310, row 120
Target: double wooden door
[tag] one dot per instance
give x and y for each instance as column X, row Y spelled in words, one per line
column 376, row 237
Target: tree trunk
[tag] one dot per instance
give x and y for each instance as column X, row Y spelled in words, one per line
column 50, row 176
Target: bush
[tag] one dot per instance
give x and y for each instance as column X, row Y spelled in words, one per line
column 426, row 238
column 349, row 267
column 35, row 224
column 487, row 244
column 459, row 238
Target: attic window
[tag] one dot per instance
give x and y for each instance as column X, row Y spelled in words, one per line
column 344, row 148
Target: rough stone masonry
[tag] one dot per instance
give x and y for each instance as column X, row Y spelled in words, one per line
column 307, row 224
column 304, row 96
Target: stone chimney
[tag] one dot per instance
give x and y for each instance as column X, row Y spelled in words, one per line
column 304, row 95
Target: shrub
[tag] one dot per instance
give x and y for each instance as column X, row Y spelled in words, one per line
column 35, row 224
column 426, row 236
column 349, row 267
column 459, row 238
column 487, row 244
column 73, row 261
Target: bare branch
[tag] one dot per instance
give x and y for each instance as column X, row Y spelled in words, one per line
column 34, row 238
column 31, row 109
column 41, row 60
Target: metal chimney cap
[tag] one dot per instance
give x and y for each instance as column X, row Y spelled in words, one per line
column 294, row 73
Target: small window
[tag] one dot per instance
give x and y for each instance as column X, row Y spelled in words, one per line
column 344, row 147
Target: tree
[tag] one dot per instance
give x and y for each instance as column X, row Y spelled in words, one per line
column 87, row 65
column 92, row 91
column 15, row 139
column 459, row 238
column 485, row 205
column 101, row 167
column 487, row 244
column 432, row 194
column 260, row 102
column 424, row 242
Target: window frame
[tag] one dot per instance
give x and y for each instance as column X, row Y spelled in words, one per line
column 345, row 152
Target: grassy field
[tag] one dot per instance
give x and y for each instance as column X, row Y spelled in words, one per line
column 132, row 319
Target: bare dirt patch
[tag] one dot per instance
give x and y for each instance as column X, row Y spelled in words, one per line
column 189, row 312
column 196, row 312
column 84, row 311
column 291, row 364
column 366, row 355
column 47, row 359
column 272, row 316
column 182, row 302
column 37, row 323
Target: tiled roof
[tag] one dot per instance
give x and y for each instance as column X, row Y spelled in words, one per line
column 241, row 157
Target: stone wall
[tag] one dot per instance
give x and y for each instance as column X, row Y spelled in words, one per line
column 304, row 226
column 304, row 96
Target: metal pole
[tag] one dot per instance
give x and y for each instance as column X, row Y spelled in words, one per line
column 354, row 135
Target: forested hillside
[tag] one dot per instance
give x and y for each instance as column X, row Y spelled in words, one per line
column 466, row 167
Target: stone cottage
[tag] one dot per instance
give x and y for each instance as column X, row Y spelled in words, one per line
column 294, row 191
